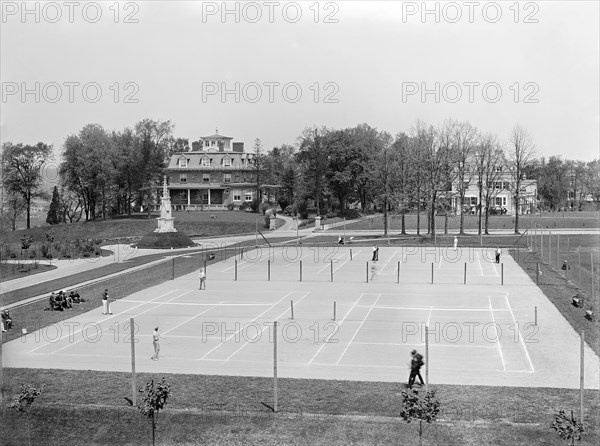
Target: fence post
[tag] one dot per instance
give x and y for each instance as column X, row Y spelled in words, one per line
column 502, row 274
column 367, row 272
column 398, row 278
column 432, row 272
column 292, row 309
column 331, row 263
column 334, row 308
column 173, row 268
column 236, row 269
column 300, row 270
column 465, row 278
column 269, row 270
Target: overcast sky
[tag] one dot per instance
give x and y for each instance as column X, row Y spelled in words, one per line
column 493, row 64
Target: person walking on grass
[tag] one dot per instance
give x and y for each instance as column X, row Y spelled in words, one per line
column 498, row 254
column 202, row 278
column 155, row 344
column 416, row 363
column 455, row 242
column 105, row 304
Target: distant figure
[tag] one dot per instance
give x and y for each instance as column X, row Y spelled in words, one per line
column 155, row 344
column 340, row 240
column 498, row 254
column 105, row 304
column 455, row 242
column 202, row 278
column 565, row 266
column 375, row 253
column 373, row 270
column 415, row 368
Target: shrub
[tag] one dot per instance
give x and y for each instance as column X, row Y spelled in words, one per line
column 32, row 253
column 98, row 241
column 44, row 250
column 230, row 206
column 254, row 205
column 13, row 255
column 97, row 251
column 302, row 208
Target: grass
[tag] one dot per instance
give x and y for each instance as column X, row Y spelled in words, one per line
column 549, row 220
column 10, row 271
column 33, row 315
column 196, row 224
column 560, row 289
column 228, row 410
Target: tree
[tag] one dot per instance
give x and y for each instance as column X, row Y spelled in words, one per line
column 22, row 170
column 465, row 141
column 22, row 404
column 553, row 182
column 313, row 159
column 568, row 428
column 259, row 166
column 520, row 155
column 13, row 207
column 593, row 180
column 54, row 216
column 70, row 206
column 422, row 409
column 401, row 179
column 154, row 399
column 153, row 137
column 489, row 161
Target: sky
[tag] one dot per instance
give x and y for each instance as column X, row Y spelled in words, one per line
column 270, row 69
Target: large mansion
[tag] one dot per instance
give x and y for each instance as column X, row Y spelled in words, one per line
column 217, row 173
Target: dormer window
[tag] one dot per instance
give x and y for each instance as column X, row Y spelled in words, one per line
column 205, row 162
column 183, row 162
column 226, row 162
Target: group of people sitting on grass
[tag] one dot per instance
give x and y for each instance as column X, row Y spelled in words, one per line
column 61, row 301
column 7, row 322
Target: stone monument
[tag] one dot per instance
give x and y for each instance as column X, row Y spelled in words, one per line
column 165, row 221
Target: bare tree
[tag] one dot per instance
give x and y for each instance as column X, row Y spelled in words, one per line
column 490, row 163
column 521, row 154
column 465, row 139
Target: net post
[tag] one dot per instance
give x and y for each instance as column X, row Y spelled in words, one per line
column 173, row 268
column 465, row 274
column 331, row 264
column 398, row 274
column 292, row 309
column 367, row 272
column 269, row 270
column 275, row 366
column 432, row 273
column 133, row 383
column 235, row 269
column 350, row 254
column 535, row 315
column 334, row 309
column 502, row 274
column 300, row 270
column 581, row 375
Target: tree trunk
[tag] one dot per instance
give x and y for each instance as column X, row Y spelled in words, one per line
column 487, row 215
column 418, row 211
column 479, row 211
column 446, row 223
column 462, row 215
column 517, row 211
column 385, row 217
column 403, row 223
column 28, row 201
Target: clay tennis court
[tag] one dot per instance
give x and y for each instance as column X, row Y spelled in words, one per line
column 482, row 332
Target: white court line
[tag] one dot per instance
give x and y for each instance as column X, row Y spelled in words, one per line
column 388, row 262
column 118, row 314
column 479, row 263
column 338, row 326
column 189, row 320
column 494, row 321
column 226, row 339
column 198, row 304
column 430, row 345
column 358, row 329
column 264, row 328
column 390, row 307
column 519, row 334
column 495, row 269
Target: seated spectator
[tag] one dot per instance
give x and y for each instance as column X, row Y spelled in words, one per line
column 55, row 304
column 64, row 301
column 75, row 297
column 6, row 320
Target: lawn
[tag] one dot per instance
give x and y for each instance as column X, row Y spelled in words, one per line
column 87, row 407
column 550, row 220
column 195, row 224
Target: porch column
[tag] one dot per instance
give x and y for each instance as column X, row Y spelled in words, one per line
column 209, row 196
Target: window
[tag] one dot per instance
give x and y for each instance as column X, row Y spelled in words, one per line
column 205, row 162
column 183, row 162
column 237, row 177
column 227, row 178
column 226, row 162
column 506, row 185
column 206, row 177
column 237, row 197
column 498, row 168
column 498, row 184
column 248, row 196
column 183, row 178
column 498, row 201
column 473, row 201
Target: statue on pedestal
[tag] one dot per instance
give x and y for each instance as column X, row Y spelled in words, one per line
column 165, row 221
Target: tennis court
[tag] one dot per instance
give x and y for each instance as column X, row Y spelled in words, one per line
column 338, row 318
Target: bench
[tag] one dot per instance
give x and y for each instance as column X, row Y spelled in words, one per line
column 589, row 314
column 577, row 302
